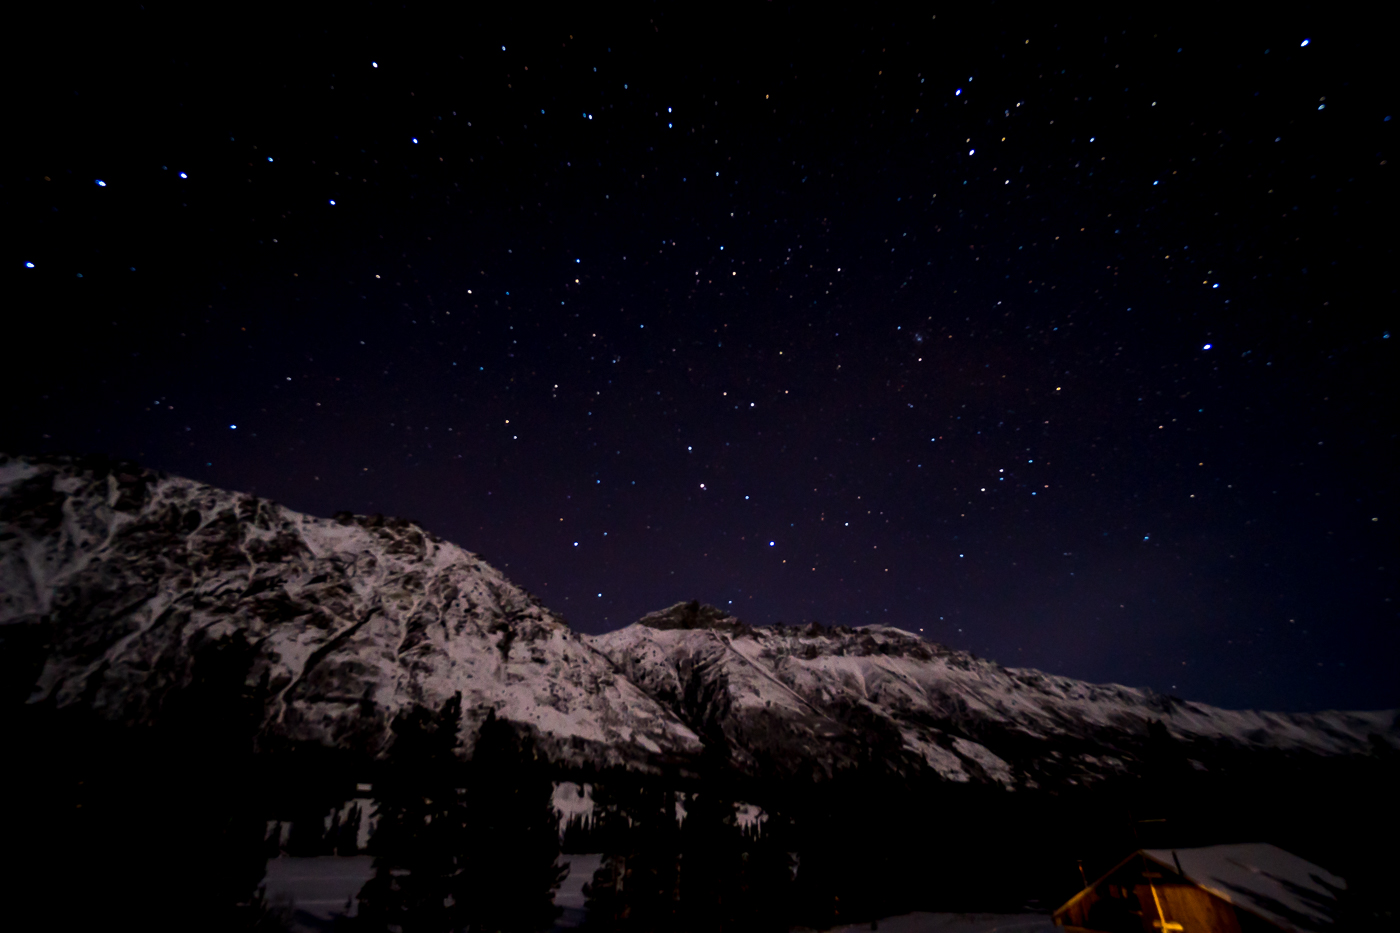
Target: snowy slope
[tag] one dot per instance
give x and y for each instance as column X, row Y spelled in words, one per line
column 351, row 619
column 790, row 697
column 128, row 576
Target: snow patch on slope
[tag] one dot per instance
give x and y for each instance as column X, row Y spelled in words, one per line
column 573, row 804
column 994, row 766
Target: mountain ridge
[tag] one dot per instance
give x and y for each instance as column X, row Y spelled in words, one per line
column 351, row 621
column 122, row 576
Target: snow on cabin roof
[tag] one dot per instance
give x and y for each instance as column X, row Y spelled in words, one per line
column 1284, row 889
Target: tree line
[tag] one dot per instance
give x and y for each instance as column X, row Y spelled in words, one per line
column 165, row 826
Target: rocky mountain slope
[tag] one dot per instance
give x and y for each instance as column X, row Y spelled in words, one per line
column 124, row 576
column 794, row 699
column 130, row 574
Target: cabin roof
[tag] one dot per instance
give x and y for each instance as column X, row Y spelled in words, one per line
column 1290, row 892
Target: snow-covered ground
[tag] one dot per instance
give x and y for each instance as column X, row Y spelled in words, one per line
column 957, row 923
column 322, row 888
column 318, row 889
column 570, row 893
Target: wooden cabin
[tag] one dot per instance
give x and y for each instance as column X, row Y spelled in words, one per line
column 1250, row 888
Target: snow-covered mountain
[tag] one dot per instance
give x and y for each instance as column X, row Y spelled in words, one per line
column 798, row 699
column 124, row 576
column 352, row 619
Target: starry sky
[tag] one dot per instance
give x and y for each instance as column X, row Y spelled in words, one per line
column 1063, row 341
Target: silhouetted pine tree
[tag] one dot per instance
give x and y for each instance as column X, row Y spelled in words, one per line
column 102, row 803
column 712, row 848
column 839, row 821
column 764, row 885
column 418, row 883
column 345, row 837
column 204, row 798
column 308, row 836
column 602, row 895
column 638, row 885
column 511, row 869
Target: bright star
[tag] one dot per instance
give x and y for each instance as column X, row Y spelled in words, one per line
column 1206, row 347
column 101, row 183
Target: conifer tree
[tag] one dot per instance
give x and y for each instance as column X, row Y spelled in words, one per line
column 638, row 886
column 511, row 869
column 764, row 881
column 207, row 747
column 345, row 838
column 711, row 857
column 418, row 883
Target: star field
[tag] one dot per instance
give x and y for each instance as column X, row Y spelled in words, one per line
column 1064, row 342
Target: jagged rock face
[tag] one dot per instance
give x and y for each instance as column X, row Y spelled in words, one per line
column 124, row 578
column 821, row 699
column 694, row 615
column 129, row 575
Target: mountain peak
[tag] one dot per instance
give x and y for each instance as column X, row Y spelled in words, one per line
column 694, row 615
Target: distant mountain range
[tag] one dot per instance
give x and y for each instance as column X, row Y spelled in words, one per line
column 115, row 579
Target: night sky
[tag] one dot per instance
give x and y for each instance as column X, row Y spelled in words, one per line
column 1066, row 342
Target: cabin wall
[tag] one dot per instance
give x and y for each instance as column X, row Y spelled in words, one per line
column 1119, row 908
column 1074, row 913
column 1196, row 910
